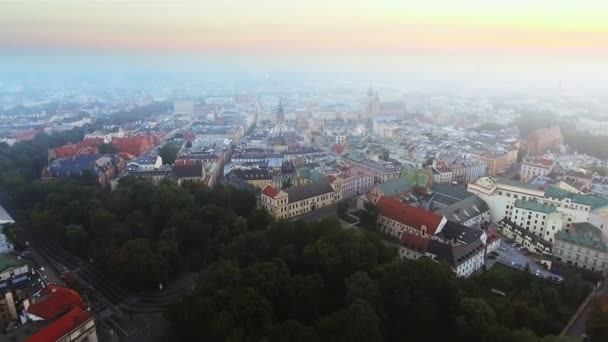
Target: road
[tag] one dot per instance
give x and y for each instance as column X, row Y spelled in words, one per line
column 577, row 329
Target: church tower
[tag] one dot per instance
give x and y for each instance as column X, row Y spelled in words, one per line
column 280, row 118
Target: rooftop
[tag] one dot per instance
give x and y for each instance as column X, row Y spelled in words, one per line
column 592, row 201
column 409, row 215
column 4, row 216
column 535, row 206
column 8, row 261
column 464, row 210
column 299, row 193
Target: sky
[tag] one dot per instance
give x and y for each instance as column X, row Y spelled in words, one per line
column 458, row 34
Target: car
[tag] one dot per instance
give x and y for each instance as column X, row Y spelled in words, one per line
column 494, row 253
column 503, row 249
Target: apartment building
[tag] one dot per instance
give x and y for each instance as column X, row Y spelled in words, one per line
column 536, row 167
column 501, row 194
column 498, row 162
column 582, row 246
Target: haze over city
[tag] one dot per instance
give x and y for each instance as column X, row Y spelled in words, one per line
column 319, row 171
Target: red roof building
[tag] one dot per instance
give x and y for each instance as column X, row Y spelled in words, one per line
column 135, row 145
column 414, row 242
column 396, row 218
column 69, row 323
column 61, row 312
column 55, row 301
column 270, row 191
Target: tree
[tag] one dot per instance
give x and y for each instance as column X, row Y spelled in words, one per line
column 136, row 266
column 342, row 209
column 14, row 234
column 168, row 153
column 358, row 322
column 597, row 321
column 369, row 216
column 286, row 184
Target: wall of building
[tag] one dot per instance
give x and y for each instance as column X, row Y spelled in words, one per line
column 580, row 256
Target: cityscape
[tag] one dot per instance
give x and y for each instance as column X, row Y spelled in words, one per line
column 273, row 171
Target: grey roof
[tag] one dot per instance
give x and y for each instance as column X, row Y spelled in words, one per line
column 299, row 193
column 464, row 210
column 453, row 255
column 460, row 233
column 4, row 216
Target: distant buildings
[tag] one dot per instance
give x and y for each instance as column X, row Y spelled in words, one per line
column 593, row 127
column 536, row 167
column 102, row 167
column 136, row 145
column 196, row 170
column 543, row 139
column 498, row 162
column 382, row 171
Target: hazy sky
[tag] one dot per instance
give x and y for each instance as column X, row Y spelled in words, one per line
column 531, row 36
column 310, row 27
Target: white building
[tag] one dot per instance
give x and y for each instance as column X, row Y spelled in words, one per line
column 501, row 194
column 582, row 246
column 540, row 219
column 536, row 167
column 5, row 218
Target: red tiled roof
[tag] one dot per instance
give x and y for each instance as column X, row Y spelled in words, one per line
column 61, row 327
column 408, row 215
column 414, row 242
column 55, row 301
column 270, row 191
column 92, row 141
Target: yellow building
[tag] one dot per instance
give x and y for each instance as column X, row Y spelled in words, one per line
column 291, row 202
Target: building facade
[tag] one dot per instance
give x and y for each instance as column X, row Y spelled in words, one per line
column 543, row 139
column 298, row 200
column 501, row 195
column 498, row 163
column 396, row 218
column 536, row 167
column 582, row 246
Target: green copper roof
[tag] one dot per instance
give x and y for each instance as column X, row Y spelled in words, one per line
column 450, row 190
column 534, row 206
column 581, row 240
column 406, row 183
column 519, row 184
column 7, row 261
column 317, row 176
column 592, row 201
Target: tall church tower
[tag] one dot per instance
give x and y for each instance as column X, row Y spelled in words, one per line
column 280, row 118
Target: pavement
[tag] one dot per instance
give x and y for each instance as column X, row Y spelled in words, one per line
column 510, row 256
column 577, row 329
